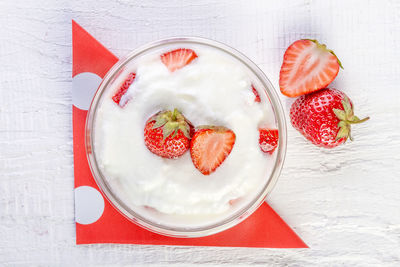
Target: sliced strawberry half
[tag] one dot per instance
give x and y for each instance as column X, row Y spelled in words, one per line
column 178, row 58
column 210, row 146
column 268, row 140
column 257, row 96
column 124, row 88
column 307, row 67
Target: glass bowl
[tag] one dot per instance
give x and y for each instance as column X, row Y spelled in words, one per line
column 187, row 231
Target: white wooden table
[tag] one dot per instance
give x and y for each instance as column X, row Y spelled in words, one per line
column 345, row 203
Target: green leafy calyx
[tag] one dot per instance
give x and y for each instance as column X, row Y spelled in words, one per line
column 171, row 122
column 347, row 118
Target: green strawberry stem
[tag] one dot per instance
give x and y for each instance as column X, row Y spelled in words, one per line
column 175, row 114
column 360, row 121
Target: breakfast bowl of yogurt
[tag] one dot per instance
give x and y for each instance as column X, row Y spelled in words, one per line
column 186, row 137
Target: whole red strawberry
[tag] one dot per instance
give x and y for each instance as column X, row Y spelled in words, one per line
column 167, row 134
column 324, row 117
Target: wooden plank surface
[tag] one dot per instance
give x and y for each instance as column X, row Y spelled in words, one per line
column 345, row 203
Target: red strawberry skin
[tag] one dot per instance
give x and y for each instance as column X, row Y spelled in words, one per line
column 123, row 88
column 257, row 96
column 312, row 115
column 210, row 146
column 171, row 147
column 307, row 66
column 178, row 58
column 268, row 140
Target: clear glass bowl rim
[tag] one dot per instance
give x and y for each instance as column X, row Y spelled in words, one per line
column 238, row 216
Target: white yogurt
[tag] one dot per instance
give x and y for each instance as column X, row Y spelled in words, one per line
column 214, row 89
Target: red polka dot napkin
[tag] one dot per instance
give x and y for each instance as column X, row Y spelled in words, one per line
column 97, row 221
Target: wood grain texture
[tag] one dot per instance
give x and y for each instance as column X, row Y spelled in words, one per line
column 344, row 203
